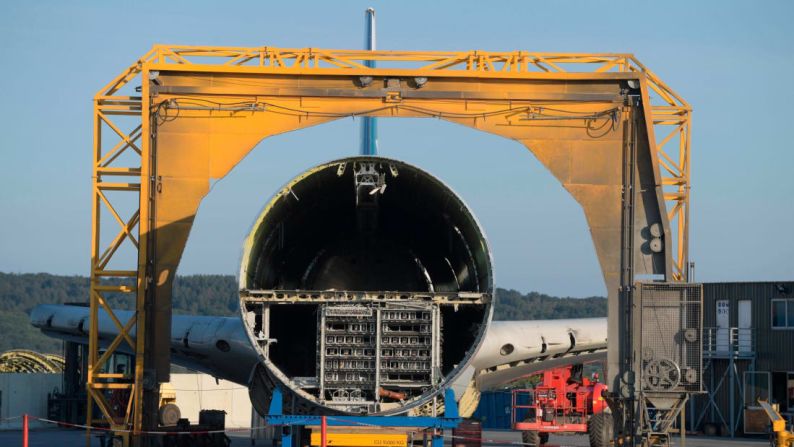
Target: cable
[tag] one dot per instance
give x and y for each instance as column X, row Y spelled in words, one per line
column 533, row 112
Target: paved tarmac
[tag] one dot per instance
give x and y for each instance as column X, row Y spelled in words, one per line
column 76, row 438
column 508, row 437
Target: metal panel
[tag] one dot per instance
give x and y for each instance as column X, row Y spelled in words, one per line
column 771, row 345
column 495, row 407
column 671, row 337
column 757, row 386
column 670, row 348
column 768, row 348
column 365, row 347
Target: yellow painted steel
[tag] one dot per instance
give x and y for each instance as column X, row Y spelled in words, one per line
column 200, row 110
column 361, row 439
column 25, row 361
column 783, row 437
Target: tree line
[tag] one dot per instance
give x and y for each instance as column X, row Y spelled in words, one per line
column 216, row 295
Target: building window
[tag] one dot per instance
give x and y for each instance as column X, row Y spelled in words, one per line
column 783, row 314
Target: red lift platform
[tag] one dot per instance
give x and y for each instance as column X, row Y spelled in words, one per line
column 564, row 402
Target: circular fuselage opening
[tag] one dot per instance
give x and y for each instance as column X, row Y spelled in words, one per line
column 365, row 286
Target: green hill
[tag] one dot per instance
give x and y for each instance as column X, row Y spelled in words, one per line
column 217, row 295
column 513, row 305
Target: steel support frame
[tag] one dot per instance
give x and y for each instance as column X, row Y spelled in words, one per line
column 354, row 296
column 134, row 178
column 658, row 421
column 736, row 387
column 437, row 424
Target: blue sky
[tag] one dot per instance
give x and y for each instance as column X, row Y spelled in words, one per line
column 733, row 61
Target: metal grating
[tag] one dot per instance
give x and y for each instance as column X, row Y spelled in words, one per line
column 365, row 349
column 671, row 337
column 407, row 347
column 347, row 353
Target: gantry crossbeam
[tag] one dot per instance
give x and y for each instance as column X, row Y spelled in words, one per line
column 125, row 162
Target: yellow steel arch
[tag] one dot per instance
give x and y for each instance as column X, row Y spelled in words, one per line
column 26, row 361
column 202, row 109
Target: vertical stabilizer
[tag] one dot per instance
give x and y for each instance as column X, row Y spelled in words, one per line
column 369, row 125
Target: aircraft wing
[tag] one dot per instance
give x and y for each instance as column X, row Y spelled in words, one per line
column 219, row 346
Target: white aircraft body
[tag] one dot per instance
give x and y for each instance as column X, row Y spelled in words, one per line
column 220, row 347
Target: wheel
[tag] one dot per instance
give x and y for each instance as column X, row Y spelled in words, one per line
column 544, row 438
column 531, row 437
column 169, row 415
column 661, row 375
column 600, row 430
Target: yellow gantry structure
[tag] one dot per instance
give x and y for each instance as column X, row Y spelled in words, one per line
column 781, row 437
column 183, row 116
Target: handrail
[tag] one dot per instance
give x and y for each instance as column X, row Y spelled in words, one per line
column 729, row 342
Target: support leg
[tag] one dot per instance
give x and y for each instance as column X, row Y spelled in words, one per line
column 324, row 433
column 683, row 425
column 286, row 436
column 438, row 438
column 24, row 430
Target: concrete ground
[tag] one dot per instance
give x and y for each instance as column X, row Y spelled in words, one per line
column 76, row 438
column 508, row 437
